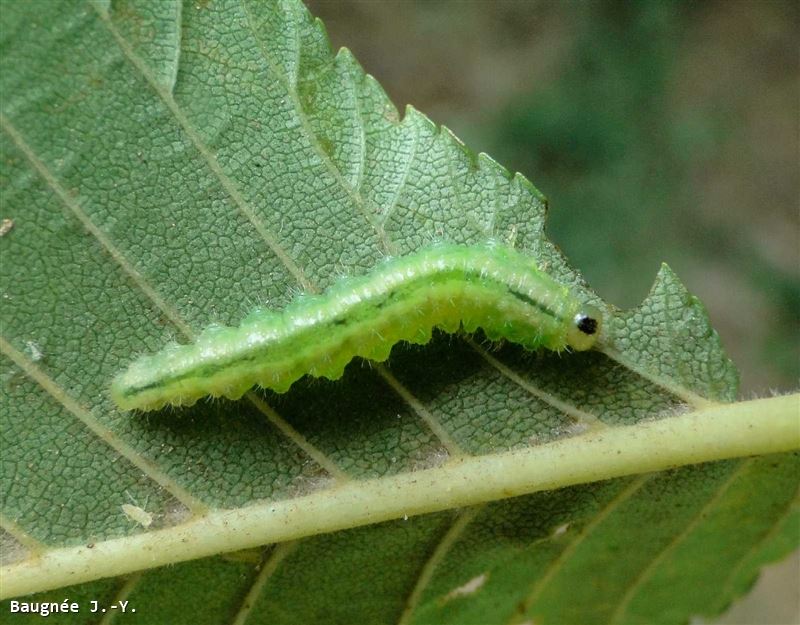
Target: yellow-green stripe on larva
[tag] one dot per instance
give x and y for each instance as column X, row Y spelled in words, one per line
column 489, row 286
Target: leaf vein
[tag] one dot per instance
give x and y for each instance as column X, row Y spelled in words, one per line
column 727, row 585
column 31, row 544
column 441, row 550
column 581, row 416
column 356, row 198
column 195, row 505
column 412, row 154
column 452, row 447
column 362, row 137
column 213, row 164
column 297, row 438
column 122, row 594
column 471, row 219
column 273, row 561
column 556, row 565
column 636, row 584
column 91, row 227
column 690, row 397
column 151, row 293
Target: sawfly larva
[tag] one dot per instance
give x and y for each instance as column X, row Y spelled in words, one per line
column 489, row 286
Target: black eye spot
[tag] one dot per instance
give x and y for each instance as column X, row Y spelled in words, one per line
column 587, row 325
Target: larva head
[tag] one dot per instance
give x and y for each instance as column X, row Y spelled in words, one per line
column 584, row 328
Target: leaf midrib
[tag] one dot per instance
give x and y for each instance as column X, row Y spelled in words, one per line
column 648, row 447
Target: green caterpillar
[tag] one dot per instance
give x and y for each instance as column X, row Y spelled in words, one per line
column 491, row 286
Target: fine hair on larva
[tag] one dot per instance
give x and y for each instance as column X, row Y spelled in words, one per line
column 490, row 286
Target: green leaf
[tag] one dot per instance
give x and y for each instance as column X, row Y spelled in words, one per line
column 166, row 166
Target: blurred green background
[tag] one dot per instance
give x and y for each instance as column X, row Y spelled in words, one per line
column 659, row 131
